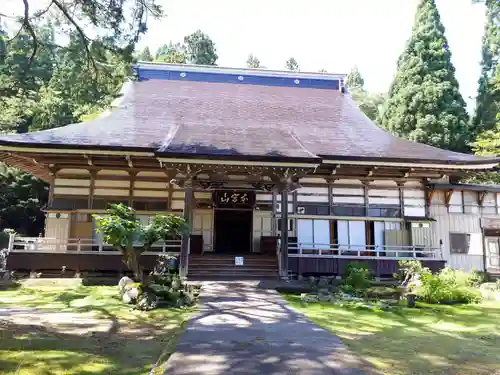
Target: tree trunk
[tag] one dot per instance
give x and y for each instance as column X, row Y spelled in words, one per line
column 132, row 262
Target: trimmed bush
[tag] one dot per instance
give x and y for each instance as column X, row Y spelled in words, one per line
column 476, row 278
column 357, row 278
column 447, row 287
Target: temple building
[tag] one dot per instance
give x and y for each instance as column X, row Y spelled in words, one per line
column 277, row 173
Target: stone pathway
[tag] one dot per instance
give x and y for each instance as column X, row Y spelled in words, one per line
column 244, row 329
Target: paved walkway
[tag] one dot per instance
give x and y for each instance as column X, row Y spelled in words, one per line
column 244, row 329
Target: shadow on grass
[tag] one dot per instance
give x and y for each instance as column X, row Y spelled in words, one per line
column 125, row 348
column 117, row 340
column 447, row 340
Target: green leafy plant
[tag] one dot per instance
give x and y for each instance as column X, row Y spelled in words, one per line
column 122, row 229
column 476, row 278
column 447, row 286
column 357, row 278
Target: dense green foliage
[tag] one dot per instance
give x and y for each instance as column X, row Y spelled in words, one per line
column 21, row 198
column 424, row 103
column 448, row 286
column 200, row 49
column 372, row 104
column 61, row 87
column 357, row 278
column 171, row 53
column 488, row 96
column 486, row 122
column 197, row 48
column 107, row 24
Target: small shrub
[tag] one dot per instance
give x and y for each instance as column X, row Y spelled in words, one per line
column 448, row 286
column 476, row 278
column 357, row 278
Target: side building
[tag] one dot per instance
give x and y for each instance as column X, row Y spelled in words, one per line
column 278, row 169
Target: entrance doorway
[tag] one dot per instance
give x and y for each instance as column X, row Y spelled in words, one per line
column 233, row 231
column 493, row 254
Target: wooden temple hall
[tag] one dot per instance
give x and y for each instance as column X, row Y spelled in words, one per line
column 277, row 173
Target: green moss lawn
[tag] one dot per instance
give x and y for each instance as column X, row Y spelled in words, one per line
column 113, row 339
column 451, row 340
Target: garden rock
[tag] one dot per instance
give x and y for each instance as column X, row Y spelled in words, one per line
column 309, row 298
column 324, row 297
column 312, row 280
column 130, row 295
column 323, row 281
column 122, row 284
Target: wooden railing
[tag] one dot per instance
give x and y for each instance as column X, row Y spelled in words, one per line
column 362, row 251
column 87, row 245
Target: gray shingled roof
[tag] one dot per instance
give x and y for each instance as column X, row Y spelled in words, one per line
column 226, row 119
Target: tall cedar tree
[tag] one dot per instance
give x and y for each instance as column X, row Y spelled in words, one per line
column 488, row 98
column 424, row 103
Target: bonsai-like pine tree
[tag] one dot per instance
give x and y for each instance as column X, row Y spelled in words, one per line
column 488, row 96
column 122, row 229
column 424, row 103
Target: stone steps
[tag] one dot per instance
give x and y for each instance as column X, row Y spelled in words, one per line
column 212, row 266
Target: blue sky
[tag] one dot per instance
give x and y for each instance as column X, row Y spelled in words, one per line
column 321, row 34
column 329, row 34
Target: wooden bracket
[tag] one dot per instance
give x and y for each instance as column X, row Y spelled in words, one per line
column 129, row 161
column 447, row 197
column 429, row 193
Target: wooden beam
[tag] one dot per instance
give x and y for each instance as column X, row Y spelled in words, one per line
column 93, row 174
column 170, row 195
column 366, row 196
column 131, row 188
column 330, row 198
column 401, row 185
column 480, row 198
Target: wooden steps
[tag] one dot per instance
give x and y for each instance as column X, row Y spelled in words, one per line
column 214, row 266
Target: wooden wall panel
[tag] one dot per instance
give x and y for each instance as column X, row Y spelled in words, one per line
column 58, row 227
column 111, row 192
column 262, row 226
column 72, row 182
column 71, row 191
column 203, row 226
column 150, row 193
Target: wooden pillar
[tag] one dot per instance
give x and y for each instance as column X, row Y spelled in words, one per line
column 284, row 233
column 366, row 196
column 401, row 198
column 330, row 198
column 274, row 225
column 93, row 177
column 188, row 212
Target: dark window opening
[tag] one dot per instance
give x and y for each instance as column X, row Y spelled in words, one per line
column 459, row 243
